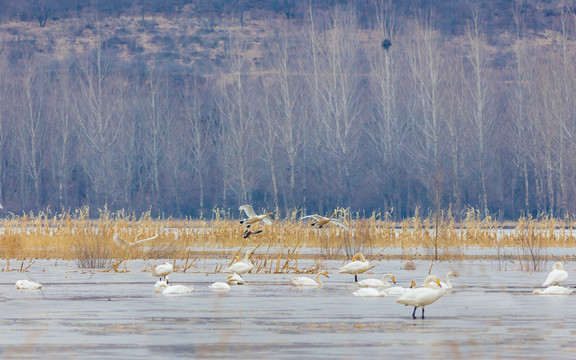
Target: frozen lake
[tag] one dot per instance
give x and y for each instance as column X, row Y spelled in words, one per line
column 92, row 315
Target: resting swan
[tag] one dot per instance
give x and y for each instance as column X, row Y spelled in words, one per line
column 378, row 283
column 219, row 286
column 28, row 285
column 356, row 267
column 304, row 281
column 164, row 288
column 553, row 290
column 420, row 297
column 235, row 279
column 241, row 267
column 557, row 276
column 369, row 291
column 321, row 220
column 252, row 217
column 398, row 290
column 447, row 285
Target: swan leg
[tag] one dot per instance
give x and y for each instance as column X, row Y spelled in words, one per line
column 422, row 312
column 414, row 312
column 356, row 278
column 312, row 224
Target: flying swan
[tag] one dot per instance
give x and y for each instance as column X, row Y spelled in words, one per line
column 121, row 242
column 253, row 218
column 321, row 220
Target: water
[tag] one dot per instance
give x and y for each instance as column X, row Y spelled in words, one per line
column 94, row 315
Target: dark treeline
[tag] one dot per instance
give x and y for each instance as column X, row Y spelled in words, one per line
column 379, row 113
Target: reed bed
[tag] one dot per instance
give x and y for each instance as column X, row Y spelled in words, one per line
column 73, row 235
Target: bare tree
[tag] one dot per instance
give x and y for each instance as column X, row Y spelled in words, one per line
column 386, row 130
column 237, row 127
column 482, row 106
column 426, row 108
column 100, row 118
column 32, row 127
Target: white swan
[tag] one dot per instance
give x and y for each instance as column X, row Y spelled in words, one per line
column 557, row 276
column 305, row 281
column 28, row 285
column 241, row 267
column 378, row 283
column 369, row 291
column 121, row 242
column 553, row 290
column 253, row 218
column 447, row 285
column 420, row 297
column 162, row 271
column 321, row 220
column 164, row 288
column 356, row 267
column 398, row 290
column 219, row 286
column 235, row 279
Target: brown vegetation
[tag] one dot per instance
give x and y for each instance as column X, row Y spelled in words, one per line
column 90, row 243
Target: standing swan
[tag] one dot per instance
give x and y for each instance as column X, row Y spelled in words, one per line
column 557, row 276
column 321, row 220
column 253, row 218
column 162, row 271
column 241, row 267
column 304, row 281
column 420, row 297
column 447, row 285
column 356, row 267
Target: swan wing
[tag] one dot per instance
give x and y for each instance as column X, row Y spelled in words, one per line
column 248, row 210
column 119, row 241
column 339, row 223
column 267, row 220
column 315, row 217
column 144, row 240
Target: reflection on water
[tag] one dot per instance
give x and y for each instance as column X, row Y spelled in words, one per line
column 489, row 314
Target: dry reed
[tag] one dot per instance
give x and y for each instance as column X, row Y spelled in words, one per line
column 76, row 236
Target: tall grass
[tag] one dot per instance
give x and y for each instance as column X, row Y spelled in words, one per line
column 75, row 236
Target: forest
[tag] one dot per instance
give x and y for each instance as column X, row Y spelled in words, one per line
column 393, row 107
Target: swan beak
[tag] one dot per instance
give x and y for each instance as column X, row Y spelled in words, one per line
column 438, row 282
column 412, row 284
column 454, row 274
